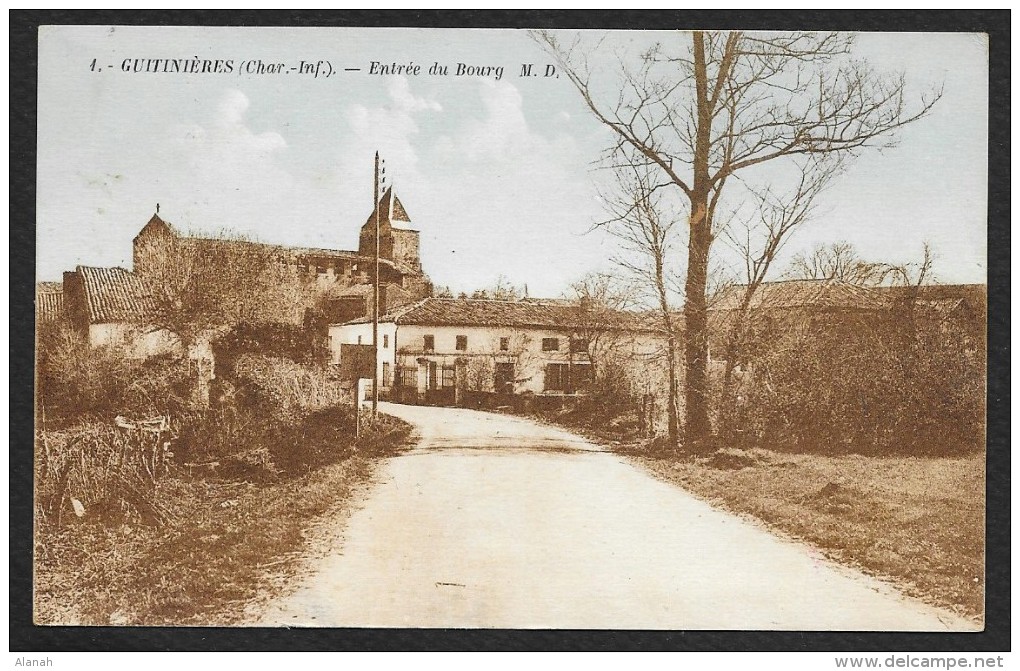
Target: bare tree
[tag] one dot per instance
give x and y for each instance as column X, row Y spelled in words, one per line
column 197, row 286
column 776, row 216
column 600, row 304
column 501, row 290
column 708, row 109
column 837, row 260
column 646, row 227
column 513, row 348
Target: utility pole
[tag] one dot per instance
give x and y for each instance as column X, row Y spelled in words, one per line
column 375, row 300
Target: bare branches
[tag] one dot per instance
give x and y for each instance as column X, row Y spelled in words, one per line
column 839, row 261
column 706, row 109
column 197, row 285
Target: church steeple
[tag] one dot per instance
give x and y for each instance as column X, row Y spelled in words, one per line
column 396, row 243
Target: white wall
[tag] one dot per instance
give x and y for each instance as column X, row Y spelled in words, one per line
column 137, row 342
column 483, row 342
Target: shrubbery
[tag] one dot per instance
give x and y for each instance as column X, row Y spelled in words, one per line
column 269, row 418
column 860, row 386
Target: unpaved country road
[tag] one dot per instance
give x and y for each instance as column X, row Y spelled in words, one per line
column 495, row 521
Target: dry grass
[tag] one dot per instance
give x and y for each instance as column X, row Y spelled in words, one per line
column 917, row 521
column 229, row 543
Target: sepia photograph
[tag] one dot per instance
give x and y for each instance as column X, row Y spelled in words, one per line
column 435, row 328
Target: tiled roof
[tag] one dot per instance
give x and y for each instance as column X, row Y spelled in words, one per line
column 113, row 295
column 818, row 294
column 975, row 294
column 466, row 312
column 49, row 301
column 485, row 312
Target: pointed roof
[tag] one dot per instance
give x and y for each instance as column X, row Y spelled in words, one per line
column 390, row 209
column 157, row 223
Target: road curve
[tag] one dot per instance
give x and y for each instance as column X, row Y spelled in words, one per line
column 496, row 521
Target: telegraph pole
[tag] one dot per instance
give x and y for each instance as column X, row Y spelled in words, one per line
column 375, row 300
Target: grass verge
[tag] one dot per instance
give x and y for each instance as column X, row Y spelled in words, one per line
column 916, row 521
column 230, row 543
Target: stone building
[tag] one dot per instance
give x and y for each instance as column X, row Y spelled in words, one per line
column 435, row 347
column 109, row 305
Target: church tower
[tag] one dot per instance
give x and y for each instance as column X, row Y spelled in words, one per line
column 399, row 245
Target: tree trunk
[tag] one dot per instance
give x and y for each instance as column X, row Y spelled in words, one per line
column 673, row 410
column 673, row 407
column 696, row 425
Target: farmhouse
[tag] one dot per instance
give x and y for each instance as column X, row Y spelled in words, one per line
column 831, row 303
column 108, row 306
column 437, row 348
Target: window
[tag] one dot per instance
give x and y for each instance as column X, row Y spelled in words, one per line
column 556, row 377
column 449, row 377
column 385, row 341
column 429, row 344
column 550, row 344
column 359, row 340
column 407, row 376
column 579, row 345
column 461, row 343
column 504, row 344
column 386, row 374
column 567, row 378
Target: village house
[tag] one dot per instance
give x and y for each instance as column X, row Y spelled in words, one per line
column 107, row 306
column 833, row 303
column 438, row 348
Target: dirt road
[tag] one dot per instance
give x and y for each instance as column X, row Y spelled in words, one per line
column 494, row 521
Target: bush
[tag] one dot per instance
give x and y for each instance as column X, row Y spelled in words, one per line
column 860, row 386
column 286, row 389
column 100, row 472
column 275, row 339
column 76, row 380
column 281, row 418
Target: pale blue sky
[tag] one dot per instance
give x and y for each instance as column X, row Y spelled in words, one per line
column 495, row 174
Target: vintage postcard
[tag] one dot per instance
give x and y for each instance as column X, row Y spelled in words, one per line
column 452, row 328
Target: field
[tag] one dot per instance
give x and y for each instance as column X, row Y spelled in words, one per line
column 916, row 521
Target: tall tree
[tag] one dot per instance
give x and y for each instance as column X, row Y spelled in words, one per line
column 646, row 227
column 710, row 108
column 776, row 216
column 600, row 303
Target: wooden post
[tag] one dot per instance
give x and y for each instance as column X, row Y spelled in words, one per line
column 375, row 300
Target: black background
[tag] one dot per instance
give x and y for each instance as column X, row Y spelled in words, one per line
column 24, row 636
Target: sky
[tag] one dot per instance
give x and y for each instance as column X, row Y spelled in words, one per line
column 497, row 173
